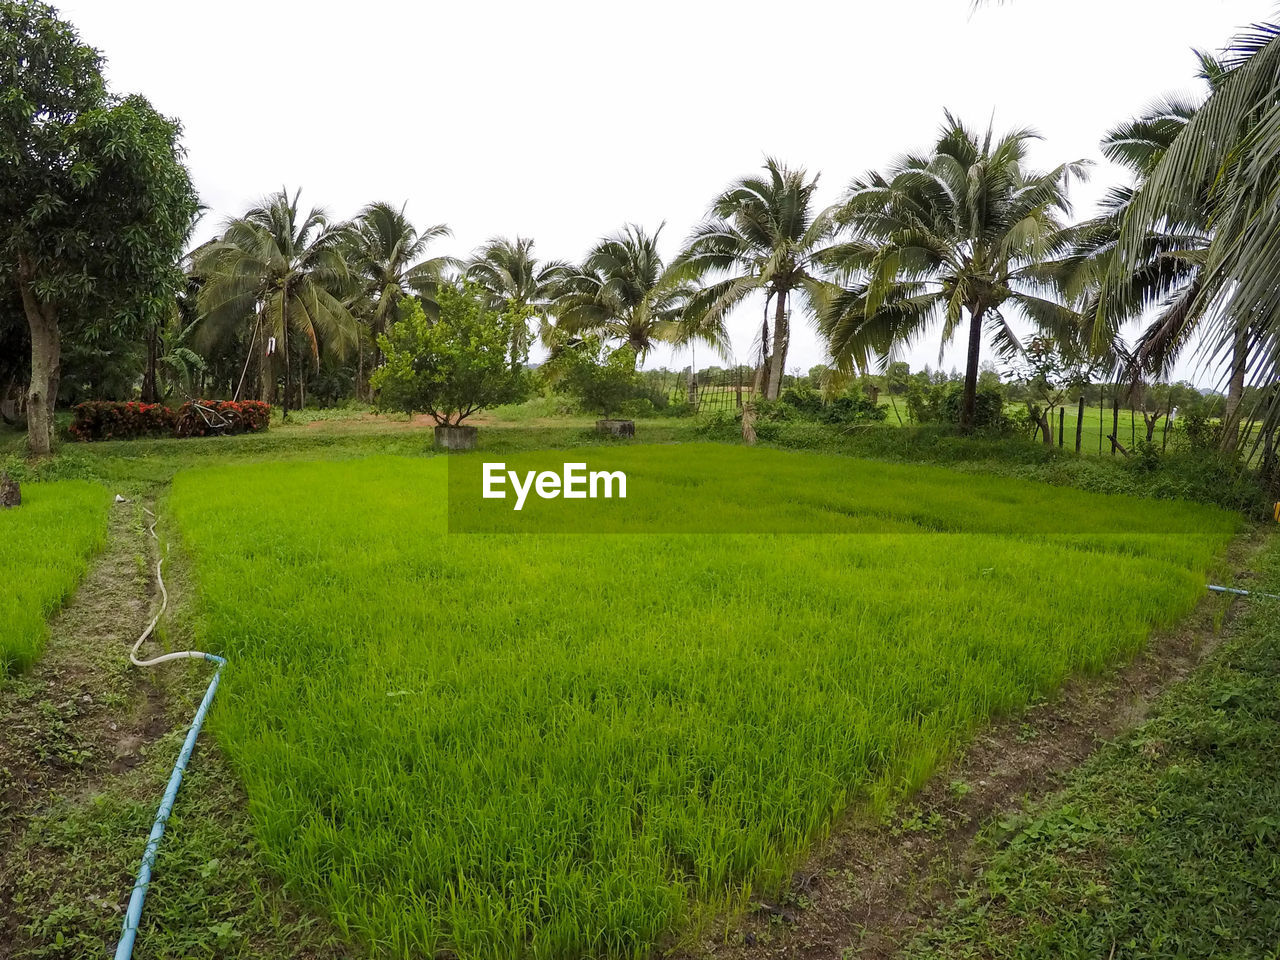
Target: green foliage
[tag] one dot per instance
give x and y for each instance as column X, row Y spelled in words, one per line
column 453, row 366
column 95, row 204
column 603, row 381
column 765, row 234
column 897, row 377
column 615, row 748
column 279, row 273
column 1146, row 457
column 44, row 546
column 803, row 402
column 943, row 403
column 1164, row 845
column 624, row 293
column 962, row 234
column 1202, row 432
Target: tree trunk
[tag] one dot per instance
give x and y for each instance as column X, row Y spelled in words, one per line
column 150, row 390
column 284, row 351
column 781, row 334
column 1046, row 430
column 360, row 385
column 13, row 401
column 266, row 370
column 1235, row 392
column 46, row 364
column 761, row 371
column 968, row 409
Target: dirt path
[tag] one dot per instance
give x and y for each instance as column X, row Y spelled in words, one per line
column 871, row 886
column 87, row 742
column 80, row 715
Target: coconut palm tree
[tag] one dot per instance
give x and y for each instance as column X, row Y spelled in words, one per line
column 625, row 292
column 960, row 235
column 763, row 234
column 1223, row 168
column 387, row 255
column 283, row 273
column 1164, row 285
column 512, row 274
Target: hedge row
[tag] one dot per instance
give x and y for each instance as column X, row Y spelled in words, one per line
column 128, row 420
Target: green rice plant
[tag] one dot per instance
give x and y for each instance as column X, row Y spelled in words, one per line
column 549, row 745
column 44, row 549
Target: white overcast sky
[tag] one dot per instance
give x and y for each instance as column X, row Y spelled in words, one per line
column 563, row 120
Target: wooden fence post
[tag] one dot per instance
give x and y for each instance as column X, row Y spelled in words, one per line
column 1115, row 423
column 1080, row 422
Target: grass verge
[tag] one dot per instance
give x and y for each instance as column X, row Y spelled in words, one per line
column 44, row 549
column 1164, row 844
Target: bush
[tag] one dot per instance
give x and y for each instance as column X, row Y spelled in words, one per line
column 802, row 402
column 129, row 420
column 1202, row 432
column 942, row 403
column 121, row 420
column 206, row 418
column 853, row 408
column 637, row 408
column 603, row 381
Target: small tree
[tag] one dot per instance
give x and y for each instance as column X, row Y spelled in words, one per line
column 451, row 367
column 601, row 380
column 1049, row 370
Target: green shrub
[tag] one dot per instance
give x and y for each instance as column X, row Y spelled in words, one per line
column 943, row 402
column 853, row 408
column 452, row 366
column 604, row 381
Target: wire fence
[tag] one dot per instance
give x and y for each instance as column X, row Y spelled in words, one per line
column 1109, row 423
column 709, row 391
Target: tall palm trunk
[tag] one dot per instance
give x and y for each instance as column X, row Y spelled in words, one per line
column 360, row 384
column 757, row 381
column 266, row 366
column 781, row 334
column 968, row 409
column 1235, row 391
column 284, row 350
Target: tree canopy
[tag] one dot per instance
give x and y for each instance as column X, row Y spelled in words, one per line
column 95, row 205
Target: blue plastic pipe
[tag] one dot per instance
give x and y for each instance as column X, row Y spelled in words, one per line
column 1241, row 593
column 133, row 916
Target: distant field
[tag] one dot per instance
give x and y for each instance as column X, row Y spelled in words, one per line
column 44, row 547
column 506, row 745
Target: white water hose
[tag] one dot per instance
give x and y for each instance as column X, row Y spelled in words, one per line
column 133, row 915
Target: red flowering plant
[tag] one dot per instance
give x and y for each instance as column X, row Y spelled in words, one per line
column 121, row 420
column 206, row 418
column 128, row 420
